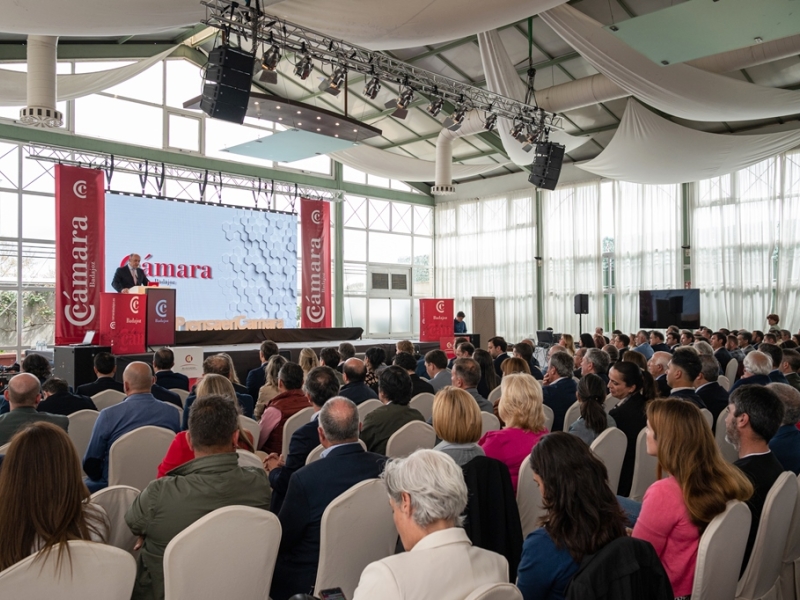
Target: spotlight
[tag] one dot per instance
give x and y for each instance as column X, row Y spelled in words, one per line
column 333, row 84
column 303, row 67
column 402, row 102
column 491, row 121
column 268, row 65
column 372, row 88
column 453, row 122
column 435, row 107
column 518, row 131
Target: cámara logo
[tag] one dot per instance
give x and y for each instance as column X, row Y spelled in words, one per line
column 180, row 271
column 135, row 305
column 440, row 306
column 79, row 189
column 161, row 308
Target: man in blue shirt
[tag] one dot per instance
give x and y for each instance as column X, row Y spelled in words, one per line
column 458, row 323
column 140, row 408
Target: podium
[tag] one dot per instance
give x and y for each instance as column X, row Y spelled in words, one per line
column 130, row 323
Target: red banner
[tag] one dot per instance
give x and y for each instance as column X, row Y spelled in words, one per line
column 160, row 317
column 435, row 319
column 80, row 251
column 315, row 223
column 122, row 322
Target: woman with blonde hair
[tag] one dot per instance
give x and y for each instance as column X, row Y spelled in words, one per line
column 179, row 452
column 457, row 422
column 514, row 364
column 308, row 360
column 43, row 500
column 677, row 509
column 231, row 367
column 521, row 410
column 270, row 389
column 568, row 342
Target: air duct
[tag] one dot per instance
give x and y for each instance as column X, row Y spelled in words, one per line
column 472, row 124
column 41, row 110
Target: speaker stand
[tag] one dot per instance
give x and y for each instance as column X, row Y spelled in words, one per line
column 580, row 324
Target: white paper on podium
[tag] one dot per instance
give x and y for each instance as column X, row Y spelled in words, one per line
column 189, row 361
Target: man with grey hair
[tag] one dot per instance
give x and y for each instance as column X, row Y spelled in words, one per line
column 703, row 348
column 428, row 494
column 643, row 344
column 466, row 375
column 343, row 464
column 757, row 367
column 595, row 361
column 785, row 444
column 657, row 366
column 713, row 395
column 559, row 393
column 24, row 395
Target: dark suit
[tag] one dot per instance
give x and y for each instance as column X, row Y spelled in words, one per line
column 15, row 420
column 381, row 423
column 65, row 404
column 170, row 380
column 245, row 402
column 752, row 380
column 560, row 396
column 418, row 386
column 630, row 418
column 723, row 358
column 498, row 364
column 358, row 392
column 690, row 395
column 537, row 374
column 311, row 490
column 777, row 377
column 785, row 445
column 163, row 394
column 662, row 386
column 715, row 398
column 103, row 383
column 303, row 441
column 794, row 380
column 123, row 279
column 256, row 378
column 662, row 347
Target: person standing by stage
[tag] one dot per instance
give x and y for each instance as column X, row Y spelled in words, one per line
column 129, row 276
column 458, row 323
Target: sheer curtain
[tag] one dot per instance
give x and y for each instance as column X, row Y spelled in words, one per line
column 788, row 284
column 647, row 240
column 486, row 247
column 572, row 256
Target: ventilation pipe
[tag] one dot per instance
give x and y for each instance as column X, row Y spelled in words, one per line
column 472, row 124
column 41, row 110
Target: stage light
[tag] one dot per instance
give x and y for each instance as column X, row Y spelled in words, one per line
column 491, row 121
column 303, row 67
column 333, row 84
column 269, row 64
column 518, row 131
column 435, row 107
column 453, row 122
column 402, row 102
column 372, row 88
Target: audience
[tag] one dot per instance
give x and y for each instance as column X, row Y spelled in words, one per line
column 657, row 343
column 790, row 366
column 23, row 395
column 636, row 358
column 513, row 365
column 221, row 364
column 596, row 361
column 776, row 356
column 374, row 359
column 713, row 395
column 757, row 367
column 785, row 444
column 291, row 400
column 466, row 375
column 568, row 343
column 643, row 346
column 163, row 361
column 346, row 351
column 406, row 361
column 683, row 369
column 257, row 378
column 489, row 379
column 721, row 353
column 38, row 366
column 57, row 399
column 436, row 367
column 354, row 373
column 395, row 393
column 105, row 367
column 270, row 388
column 559, row 387
column 524, row 351
column 591, row 394
column 427, row 494
column 497, row 349
column 307, row 360
column 329, row 357
column 457, row 422
column 657, row 367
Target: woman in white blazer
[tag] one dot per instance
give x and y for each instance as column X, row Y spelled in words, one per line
column 427, row 494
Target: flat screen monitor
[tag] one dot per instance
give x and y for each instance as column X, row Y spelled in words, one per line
column 545, row 337
column 658, row 309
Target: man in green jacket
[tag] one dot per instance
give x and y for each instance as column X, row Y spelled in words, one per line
column 23, row 395
column 394, row 390
column 212, row 480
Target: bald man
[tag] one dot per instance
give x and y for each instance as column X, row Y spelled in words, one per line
column 139, row 408
column 23, row 395
column 130, row 275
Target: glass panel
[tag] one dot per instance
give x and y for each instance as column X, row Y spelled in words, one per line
column 181, row 189
column 377, row 181
column 39, row 264
column 354, row 175
column 401, row 315
column 8, row 262
column 423, row 220
column 38, row 318
column 9, row 214
column 38, row 217
column 9, row 112
column 184, row 132
column 379, row 316
column 38, row 176
column 399, row 185
column 314, row 164
column 389, row 248
column 380, row 215
column 415, row 317
column 355, row 312
column 401, row 217
column 184, row 82
column 423, row 252
column 355, row 212
column 423, row 282
column 221, row 135
column 9, row 165
column 94, row 66
column 8, row 318
column 355, row 245
column 355, row 278
column 112, row 119
column 128, row 182
column 146, row 86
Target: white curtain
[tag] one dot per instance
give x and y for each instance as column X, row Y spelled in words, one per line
column 486, row 247
column 647, row 240
column 572, row 256
column 788, row 284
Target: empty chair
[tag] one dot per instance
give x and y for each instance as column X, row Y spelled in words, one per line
column 107, row 398
column 644, row 468
column 572, row 415
column 489, row 423
column 410, row 437
column 293, row 423
column 496, row 591
column 729, row 452
column 494, row 395
column 182, row 393
column 424, row 404
column 720, row 553
column 790, row 572
column 724, row 382
column 81, row 424
column 549, row 417
column 248, row 459
column 207, row 559
column 93, row 570
column 367, row 407
column 316, row 453
column 252, row 427
column 708, row 417
column 731, row 370
column 116, row 500
column 529, row 498
column 761, row 578
column 610, row 447
column 134, row 458
column 364, row 508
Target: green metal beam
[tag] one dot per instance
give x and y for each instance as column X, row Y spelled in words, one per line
column 192, row 31
column 67, row 51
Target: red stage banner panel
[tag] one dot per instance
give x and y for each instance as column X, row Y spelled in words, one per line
column 315, row 230
column 435, row 319
column 160, row 317
column 448, row 345
column 122, row 322
column 80, row 251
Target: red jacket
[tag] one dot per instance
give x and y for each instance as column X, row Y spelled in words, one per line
column 288, row 403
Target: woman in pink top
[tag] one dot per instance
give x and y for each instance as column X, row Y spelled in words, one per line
column 520, row 408
column 676, row 510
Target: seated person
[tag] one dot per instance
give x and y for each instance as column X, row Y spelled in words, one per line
column 457, row 422
column 23, row 395
column 395, row 393
column 163, row 361
column 591, row 394
column 59, row 401
column 221, row 364
column 256, row 378
column 291, row 400
column 559, row 387
column 270, row 388
column 105, row 368
column 354, row 372
column 785, row 444
column 36, row 365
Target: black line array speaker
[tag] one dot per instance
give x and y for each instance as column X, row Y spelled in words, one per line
column 581, row 304
column 546, row 167
column 226, row 90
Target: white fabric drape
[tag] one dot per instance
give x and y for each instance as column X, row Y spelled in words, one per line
column 13, row 84
column 486, row 247
column 788, row 284
column 679, row 89
column 572, row 256
column 647, row 240
column 647, row 148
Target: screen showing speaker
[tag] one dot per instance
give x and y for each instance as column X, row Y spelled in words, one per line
column 662, row 308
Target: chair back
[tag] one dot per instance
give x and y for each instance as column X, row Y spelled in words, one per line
column 610, row 447
column 316, row 453
column 93, row 570
column 367, row 407
column 572, row 415
column 610, row 402
column 248, row 459
column 489, row 423
column 724, row 382
column 293, row 423
column 761, row 577
column 720, row 553
column 731, row 369
column 708, row 417
column 244, row 538
column 365, row 508
column 107, row 398
column 529, row 498
column 791, row 555
column 496, row 591
column 81, row 424
column 182, row 393
column 549, row 417
column 4, row 448
column 644, row 468
column 410, row 437
column 494, row 395
column 252, row 427
column 729, row 453
column 134, row 458
column 424, row 404
column 116, row 500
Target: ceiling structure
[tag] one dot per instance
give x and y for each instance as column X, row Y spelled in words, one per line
column 554, row 60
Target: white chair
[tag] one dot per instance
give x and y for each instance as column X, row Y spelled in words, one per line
column 116, row 500
column 365, row 508
column 182, row 393
column 724, row 382
column 248, row 459
column 644, row 468
column 708, row 417
column 790, row 571
column 496, row 591
column 316, row 453
column 610, row 447
column 549, row 417
column 192, row 567
column 367, row 407
column 573, row 414
column 761, row 578
column 4, row 448
column 107, row 398
column 252, row 426
column 731, row 370
column 424, row 404
column 81, row 424
column 729, row 453
column 134, row 458
column 720, row 553
column 489, row 423
column 610, row 402
column 410, row 437
column 494, row 395
column 529, row 498
column 293, row 423
column 93, row 570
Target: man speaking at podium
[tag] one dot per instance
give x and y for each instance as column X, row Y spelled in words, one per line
column 129, row 276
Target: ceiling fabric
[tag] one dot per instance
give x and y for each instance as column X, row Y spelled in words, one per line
column 649, row 149
column 678, row 89
column 382, row 163
column 13, row 84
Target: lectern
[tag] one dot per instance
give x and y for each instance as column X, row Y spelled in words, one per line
column 145, row 317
